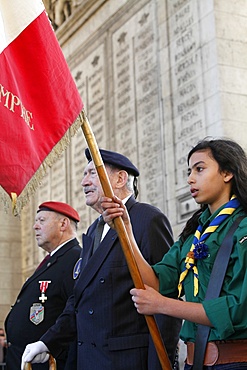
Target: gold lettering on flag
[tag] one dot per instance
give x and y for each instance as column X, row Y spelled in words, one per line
column 13, row 103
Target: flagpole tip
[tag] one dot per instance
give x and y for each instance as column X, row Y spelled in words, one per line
column 14, row 200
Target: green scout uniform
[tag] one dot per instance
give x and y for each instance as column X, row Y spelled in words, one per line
column 228, row 312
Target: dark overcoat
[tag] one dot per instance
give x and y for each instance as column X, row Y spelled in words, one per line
column 19, row 328
column 111, row 335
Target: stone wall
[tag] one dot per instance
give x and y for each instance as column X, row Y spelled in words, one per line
column 10, row 261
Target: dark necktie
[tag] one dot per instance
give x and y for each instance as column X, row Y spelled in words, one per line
column 98, row 233
column 43, row 261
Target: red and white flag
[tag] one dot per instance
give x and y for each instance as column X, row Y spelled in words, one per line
column 39, row 101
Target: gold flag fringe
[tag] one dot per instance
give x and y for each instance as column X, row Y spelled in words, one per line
column 19, row 202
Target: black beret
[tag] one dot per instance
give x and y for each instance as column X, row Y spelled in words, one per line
column 116, row 159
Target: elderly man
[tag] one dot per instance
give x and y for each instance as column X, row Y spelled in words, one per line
column 111, row 335
column 43, row 296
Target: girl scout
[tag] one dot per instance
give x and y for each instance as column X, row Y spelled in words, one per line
column 217, row 178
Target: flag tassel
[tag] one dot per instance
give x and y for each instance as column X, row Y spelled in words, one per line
column 18, row 202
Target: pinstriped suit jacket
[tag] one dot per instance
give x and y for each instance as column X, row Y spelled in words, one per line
column 111, row 334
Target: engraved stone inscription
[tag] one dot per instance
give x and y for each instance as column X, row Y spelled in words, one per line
column 90, row 79
column 136, row 97
column 44, row 190
column 58, row 179
column 186, row 71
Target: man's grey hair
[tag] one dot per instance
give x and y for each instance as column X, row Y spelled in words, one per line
column 131, row 184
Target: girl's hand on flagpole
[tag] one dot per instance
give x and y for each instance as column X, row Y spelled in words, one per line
column 147, row 301
column 113, row 208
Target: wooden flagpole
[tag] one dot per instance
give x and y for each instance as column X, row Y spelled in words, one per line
column 124, row 239
column 52, row 364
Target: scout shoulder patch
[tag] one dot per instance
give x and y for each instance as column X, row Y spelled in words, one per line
column 77, row 269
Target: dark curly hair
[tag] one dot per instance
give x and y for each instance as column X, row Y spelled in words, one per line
column 230, row 157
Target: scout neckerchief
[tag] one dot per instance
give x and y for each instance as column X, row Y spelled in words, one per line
column 198, row 248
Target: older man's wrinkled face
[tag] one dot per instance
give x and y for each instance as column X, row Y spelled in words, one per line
column 48, row 232
column 92, row 187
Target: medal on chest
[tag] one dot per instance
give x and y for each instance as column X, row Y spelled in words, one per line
column 43, row 287
column 37, row 310
column 37, row 313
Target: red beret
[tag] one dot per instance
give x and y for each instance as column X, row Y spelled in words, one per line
column 60, row 207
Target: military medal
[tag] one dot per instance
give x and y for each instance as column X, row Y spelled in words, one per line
column 43, row 288
column 37, row 310
column 37, row 313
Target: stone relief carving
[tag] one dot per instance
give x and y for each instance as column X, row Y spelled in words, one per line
column 59, row 10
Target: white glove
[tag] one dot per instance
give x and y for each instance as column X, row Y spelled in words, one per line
column 36, row 352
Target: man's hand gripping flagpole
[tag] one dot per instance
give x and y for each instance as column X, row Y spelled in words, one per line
column 37, row 353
